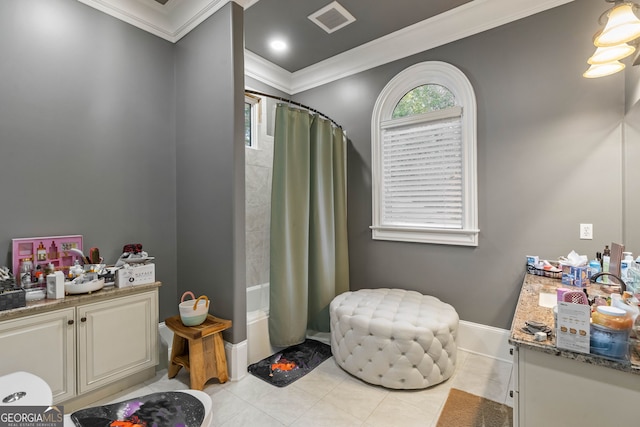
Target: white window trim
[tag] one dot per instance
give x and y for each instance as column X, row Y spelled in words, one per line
column 432, row 72
column 252, row 100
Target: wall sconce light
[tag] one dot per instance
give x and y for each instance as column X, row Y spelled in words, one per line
column 622, row 26
column 601, row 70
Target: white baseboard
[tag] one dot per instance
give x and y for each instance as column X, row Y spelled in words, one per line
column 165, row 340
column 472, row 337
column 485, row 340
column 237, row 359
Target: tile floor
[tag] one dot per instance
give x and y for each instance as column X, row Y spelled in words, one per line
column 330, row 397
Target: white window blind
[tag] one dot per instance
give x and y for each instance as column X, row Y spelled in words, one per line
column 422, row 171
column 424, row 180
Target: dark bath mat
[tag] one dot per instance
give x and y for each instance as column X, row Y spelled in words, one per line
column 292, row 363
column 156, row 409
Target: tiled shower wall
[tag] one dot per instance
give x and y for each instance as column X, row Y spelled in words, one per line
column 258, row 167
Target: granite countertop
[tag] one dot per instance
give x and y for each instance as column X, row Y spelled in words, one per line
column 528, row 308
column 44, row 305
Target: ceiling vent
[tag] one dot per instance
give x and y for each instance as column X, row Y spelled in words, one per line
column 332, row 17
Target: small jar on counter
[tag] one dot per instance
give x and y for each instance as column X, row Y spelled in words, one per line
column 612, row 317
column 610, row 330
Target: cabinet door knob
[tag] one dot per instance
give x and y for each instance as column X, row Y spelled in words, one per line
column 83, row 319
column 511, row 351
column 70, row 322
column 510, row 393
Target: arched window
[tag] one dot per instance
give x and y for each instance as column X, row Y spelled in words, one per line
column 424, row 157
column 424, row 99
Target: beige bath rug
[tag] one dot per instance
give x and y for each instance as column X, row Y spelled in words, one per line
column 464, row 409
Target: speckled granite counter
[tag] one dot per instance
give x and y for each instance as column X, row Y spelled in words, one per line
column 528, row 308
column 41, row 306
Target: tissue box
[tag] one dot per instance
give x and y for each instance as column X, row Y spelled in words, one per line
column 135, row 275
column 55, row 285
column 576, row 276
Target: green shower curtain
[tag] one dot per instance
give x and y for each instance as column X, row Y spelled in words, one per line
column 309, row 254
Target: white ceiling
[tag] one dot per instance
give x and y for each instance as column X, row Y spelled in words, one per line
column 176, row 18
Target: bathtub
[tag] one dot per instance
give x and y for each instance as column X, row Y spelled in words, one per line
column 258, row 345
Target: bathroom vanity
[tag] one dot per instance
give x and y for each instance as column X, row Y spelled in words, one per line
column 84, row 346
column 561, row 387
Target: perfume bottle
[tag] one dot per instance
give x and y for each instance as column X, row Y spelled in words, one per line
column 53, row 250
column 41, row 253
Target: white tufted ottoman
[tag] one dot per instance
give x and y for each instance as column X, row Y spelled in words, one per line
column 394, row 338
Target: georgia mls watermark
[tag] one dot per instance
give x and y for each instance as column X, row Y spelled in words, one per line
column 31, row 416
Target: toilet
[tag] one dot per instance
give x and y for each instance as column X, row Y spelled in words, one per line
column 26, row 389
column 182, row 407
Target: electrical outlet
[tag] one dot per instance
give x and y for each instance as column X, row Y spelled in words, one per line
column 586, row 231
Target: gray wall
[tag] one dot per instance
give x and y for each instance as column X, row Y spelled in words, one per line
column 631, row 151
column 87, row 133
column 210, row 165
column 549, row 157
column 253, row 84
column 632, row 83
column 632, row 178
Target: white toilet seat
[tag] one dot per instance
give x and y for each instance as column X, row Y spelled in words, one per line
column 203, row 397
column 24, row 389
column 206, row 402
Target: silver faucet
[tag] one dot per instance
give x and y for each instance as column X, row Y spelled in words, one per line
column 623, row 286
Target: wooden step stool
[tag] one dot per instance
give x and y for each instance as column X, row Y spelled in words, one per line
column 204, row 355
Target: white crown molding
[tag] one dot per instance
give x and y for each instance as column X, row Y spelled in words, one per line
column 267, row 72
column 469, row 19
column 170, row 22
column 175, row 19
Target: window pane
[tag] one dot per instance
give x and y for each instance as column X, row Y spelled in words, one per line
column 424, row 99
column 247, row 125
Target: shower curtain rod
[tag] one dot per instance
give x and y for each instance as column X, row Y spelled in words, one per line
column 289, row 101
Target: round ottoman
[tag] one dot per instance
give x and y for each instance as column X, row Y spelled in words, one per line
column 393, row 337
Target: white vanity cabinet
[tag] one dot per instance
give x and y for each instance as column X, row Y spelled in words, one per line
column 116, row 338
column 558, row 391
column 89, row 347
column 557, row 387
column 44, row 345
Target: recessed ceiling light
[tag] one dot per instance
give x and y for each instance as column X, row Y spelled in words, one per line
column 278, row 45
